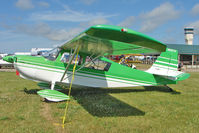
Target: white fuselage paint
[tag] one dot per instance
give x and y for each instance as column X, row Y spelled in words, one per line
column 44, row 74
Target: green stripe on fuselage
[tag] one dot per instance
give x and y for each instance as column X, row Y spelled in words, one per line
column 116, row 71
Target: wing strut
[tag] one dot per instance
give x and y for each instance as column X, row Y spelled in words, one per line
column 88, row 63
column 70, row 61
column 67, row 103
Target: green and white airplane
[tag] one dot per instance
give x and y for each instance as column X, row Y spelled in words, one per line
column 93, row 69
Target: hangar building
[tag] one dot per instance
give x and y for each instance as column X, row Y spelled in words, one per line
column 188, row 54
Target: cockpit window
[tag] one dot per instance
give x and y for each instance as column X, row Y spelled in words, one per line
column 52, row 55
column 66, row 57
column 98, row 64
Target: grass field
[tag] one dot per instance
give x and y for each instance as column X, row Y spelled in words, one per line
column 137, row 110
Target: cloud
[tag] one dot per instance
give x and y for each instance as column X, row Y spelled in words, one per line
column 158, row 16
column 44, row 30
column 128, row 22
column 8, row 35
column 12, row 42
column 43, row 4
column 195, row 10
column 195, row 25
column 88, row 2
column 67, row 15
column 24, row 4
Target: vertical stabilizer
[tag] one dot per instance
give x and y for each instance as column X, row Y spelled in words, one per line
column 166, row 65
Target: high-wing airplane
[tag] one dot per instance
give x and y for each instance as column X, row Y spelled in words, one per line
column 84, row 58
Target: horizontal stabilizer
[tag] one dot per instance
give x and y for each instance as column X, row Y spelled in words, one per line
column 183, row 76
column 53, row 95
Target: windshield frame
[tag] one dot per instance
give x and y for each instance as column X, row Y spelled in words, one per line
column 52, row 54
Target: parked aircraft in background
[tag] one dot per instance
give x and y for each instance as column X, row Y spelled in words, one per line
column 5, row 64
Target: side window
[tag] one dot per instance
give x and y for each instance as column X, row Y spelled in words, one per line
column 66, row 57
column 108, row 65
column 98, row 64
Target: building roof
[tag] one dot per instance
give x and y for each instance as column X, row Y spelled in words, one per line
column 185, row 49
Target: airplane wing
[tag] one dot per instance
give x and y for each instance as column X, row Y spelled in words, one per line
column 113, row 40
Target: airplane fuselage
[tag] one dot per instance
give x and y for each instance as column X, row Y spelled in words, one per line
column 42, row 69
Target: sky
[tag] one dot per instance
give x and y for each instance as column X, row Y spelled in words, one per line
column 26, row 24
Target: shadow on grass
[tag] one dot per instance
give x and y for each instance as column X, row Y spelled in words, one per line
column 31, row 91
column 98, row 102
column 161, row 89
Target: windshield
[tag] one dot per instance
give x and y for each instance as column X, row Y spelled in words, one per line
column 52, row 55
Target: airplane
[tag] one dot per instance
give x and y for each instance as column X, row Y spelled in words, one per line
column 5, row 64
column 83, row 58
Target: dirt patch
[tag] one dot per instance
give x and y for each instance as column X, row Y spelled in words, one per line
column 46, row 113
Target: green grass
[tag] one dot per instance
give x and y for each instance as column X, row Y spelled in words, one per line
column 139, row 109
